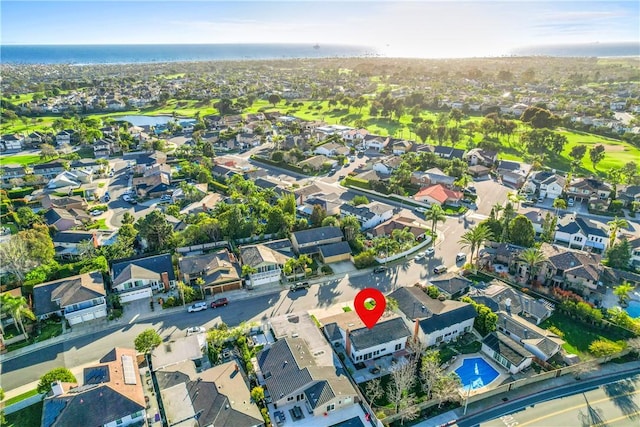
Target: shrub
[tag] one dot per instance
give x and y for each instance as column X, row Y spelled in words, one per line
column 556, row 331
column 356, row 182
column 326, row 269
column 19, row 192
column 364, row 259
column 432, row 291
column 601, row 348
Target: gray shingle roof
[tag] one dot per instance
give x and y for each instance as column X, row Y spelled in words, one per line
column 282, row 372
column 381, row 333
column 71, row 290
column 158, row 263
column 317, row 234
column 333, row 249
column 319, row 394
column 72, row 236
column 512, row 351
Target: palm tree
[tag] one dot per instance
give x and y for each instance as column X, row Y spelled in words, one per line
column 200, row 283
column 614, row 226
column 18, row 309
column 435, row 215
column 622, row 292
column 497, row 208
column 559, row 203
column 516, row 198
column 475, row 237
column 533, row 258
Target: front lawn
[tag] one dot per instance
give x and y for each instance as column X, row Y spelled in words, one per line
column 578, row 335
column 49, row 329
column 20, row 397
column 20, row 159
column 28, row 417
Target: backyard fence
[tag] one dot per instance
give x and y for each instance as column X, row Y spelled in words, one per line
column 394, row 257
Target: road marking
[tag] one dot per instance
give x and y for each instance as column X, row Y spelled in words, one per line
column 582, row 405
column 604, row 423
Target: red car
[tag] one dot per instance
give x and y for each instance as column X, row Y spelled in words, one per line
column 220, row 302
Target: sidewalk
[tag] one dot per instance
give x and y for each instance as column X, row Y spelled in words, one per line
column 449, row 418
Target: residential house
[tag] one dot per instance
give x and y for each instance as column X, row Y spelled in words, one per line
column 629, row 194
column 537, row 218
column 219, row 270
column 433, row 321
column 374, row 142
column 571, row 268
column 335, row 252
column 507, row 352
column 267, row 263
column 480, row 156
column 64, row 137
column 413, row 225
column 248, row 139
column 387, row 165
column 542, row 343
column 303, row 193
column 70, row 179
column 479, row 172
column 584, row 189
column 309, row 241
column 300, row 368
column 49, row 170
column 499, row 296
column 316, row 163
column 355, row 136
column 329, row 202
column 152, row 184
column 179, row 349
column 12, row 143
column 400, row 146
column 216, row 396
column 134, row 279
column 548, row 184
column 448, row 152
column 77, row 298
column 578, row 232
column 10, row 172
column 331, row 149
column 87, row 165
column 361, row 344
column 513, row 173
column 69, row 244
column 635, row 252
column 438, row 195
column 103, row 148
column 144, row 160
column 67, row 202
column 206, row 204
column 112, row 395
column 61, row 219
column 370, row 214
column 432, row 176
column 451, row 284
column 35, row 139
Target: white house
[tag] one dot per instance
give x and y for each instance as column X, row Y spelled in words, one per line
column 580, row 233
column 387, row 165
column 508, row 353
column 374, row 142
column 361, row 343
column 635, row 252
column 369, row 215
column 138, row 278
column 12, row 142
column 431, row 320
column 267, row 262
column 540, row 342
column 78, row 298
column 331, row 149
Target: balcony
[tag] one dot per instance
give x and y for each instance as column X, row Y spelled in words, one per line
column 83, row 309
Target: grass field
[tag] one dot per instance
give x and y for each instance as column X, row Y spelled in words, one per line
column 30, row 416
column 578, row 335
column 20, row 397
column 20, row 159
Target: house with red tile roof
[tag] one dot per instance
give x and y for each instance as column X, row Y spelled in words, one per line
column 438, row 195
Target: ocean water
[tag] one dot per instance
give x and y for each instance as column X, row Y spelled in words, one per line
column 122, row 54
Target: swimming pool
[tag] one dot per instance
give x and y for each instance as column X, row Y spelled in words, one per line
column 475, row 372
column 633, row 309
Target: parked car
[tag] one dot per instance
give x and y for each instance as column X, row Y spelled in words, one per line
column 199, row 306
column 165, row 198
column 374, row 370
column 471, row 190
column 381, row 269
column 420, row 255
column 540, row 199
column 111, row 172
column 132, row 201
column 461, row 256
column 196, row 330
column 420, row 210
column 95, row 212
column 220, row 302
column 570, row 201
column 280, row 417
column 430, row 251
column 126, row 197
column 299, row 285
column 440, row 269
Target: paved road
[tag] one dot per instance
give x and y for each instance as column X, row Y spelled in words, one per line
column 613, row 400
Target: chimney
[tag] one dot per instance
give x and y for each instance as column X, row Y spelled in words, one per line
column 94, row 239
column 165, row 280
column 57, row 388
column 416, row 328
column 526, row 334
column 347, row 345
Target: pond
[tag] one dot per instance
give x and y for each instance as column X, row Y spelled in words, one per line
column 140, row 120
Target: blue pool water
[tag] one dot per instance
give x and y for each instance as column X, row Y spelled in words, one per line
column 633, row 309
column 475, row 373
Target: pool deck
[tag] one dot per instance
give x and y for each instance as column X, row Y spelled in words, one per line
column 502, row 373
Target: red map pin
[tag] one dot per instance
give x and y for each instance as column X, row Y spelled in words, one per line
column 370, row 313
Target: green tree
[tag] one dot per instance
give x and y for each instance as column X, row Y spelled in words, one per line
column 577, row 153
column 155, row 229
column 57, row 374
column 146, row 341
column 359, row 200
column 18, row 309
column 486, row 320
column 614, row 226
column 619, row 255
column 539, row 118
column 474, row 238
column 559, row 203
column 596, row 154
column 317, row 215
column 47, row 152
column 521, row 231
column 622, row 292
column 435, row 215
column 274, row 99
column 350, row 227
column 26, row 217
column 533, row 258
column 127, row 218
column 257, row 394
column 247, row 270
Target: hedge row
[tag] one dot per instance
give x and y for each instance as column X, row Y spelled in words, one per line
column 218, row 186
column 357, row 182
column 20, row 192
column 282, row 165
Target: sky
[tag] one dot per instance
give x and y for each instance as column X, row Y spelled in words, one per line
column 424, row 28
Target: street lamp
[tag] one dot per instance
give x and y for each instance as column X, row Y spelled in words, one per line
column 472, row 386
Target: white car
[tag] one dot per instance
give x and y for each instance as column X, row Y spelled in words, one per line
column 420, row 210
column 126, row 198
column 96, row 213
column 461, row 256
column 196, row 330
column 430, row 251
column 420, row 255
column 199, row 306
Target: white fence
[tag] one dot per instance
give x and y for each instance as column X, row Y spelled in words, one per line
column 416, row 248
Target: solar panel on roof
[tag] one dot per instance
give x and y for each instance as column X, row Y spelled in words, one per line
column 129, row 371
